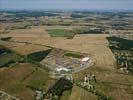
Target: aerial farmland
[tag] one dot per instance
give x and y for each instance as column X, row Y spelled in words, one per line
column 66, row 55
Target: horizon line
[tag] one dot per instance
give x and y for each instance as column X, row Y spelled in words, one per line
column 99, row 10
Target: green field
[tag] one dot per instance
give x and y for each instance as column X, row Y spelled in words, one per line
column 73, row 54
column 60, row 33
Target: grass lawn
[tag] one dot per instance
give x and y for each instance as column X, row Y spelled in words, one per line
column 60, row 33
column 73, row 54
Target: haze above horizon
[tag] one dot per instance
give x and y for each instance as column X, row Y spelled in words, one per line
column 66, row 4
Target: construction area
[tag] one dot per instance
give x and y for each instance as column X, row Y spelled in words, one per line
column 64, row 62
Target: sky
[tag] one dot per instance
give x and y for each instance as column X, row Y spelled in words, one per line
column 66, row 4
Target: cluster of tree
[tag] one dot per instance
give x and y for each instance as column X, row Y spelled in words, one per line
column 124, row 60
column 89, row 31
column 1, row 51
column 122, row 26
column 38, row 56
column 5, row 38
column 91, row 88
column 58, row 88
column 21, row 27
column 17, row 58
column 50, row 24
column 31, row 13
column 123, row 50
column 78, row 15
column 122, row 44
column 7, row 57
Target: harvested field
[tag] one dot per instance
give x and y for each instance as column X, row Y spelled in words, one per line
column 37, row 80
column 20, row 79
column 81, row 94
column 94, row 45
column 117, row 91
column 11, row 81
column 18, row 72
column 29, row 48
column 14, row 24
column 110, row 82
column 10, row 44
column 36, row 31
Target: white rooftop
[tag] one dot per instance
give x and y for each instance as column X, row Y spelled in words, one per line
column 60, row 69
column 85, row 59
